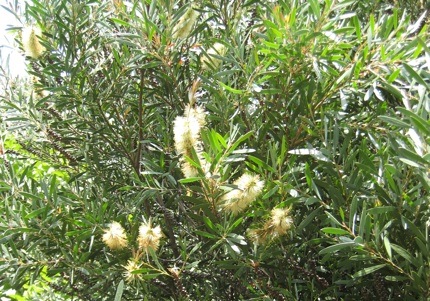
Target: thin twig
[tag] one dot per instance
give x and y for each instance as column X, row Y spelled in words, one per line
column 137, row 166
column 169, row 226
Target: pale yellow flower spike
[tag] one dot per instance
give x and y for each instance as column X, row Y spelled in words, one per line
column 249, row 187
column 132, row 266
column 209, row 61
column 186, row 134
column 188, row 170
column 31, row 43
column 279, row 223
column 186, row 130
column 149, row 237
column 281, row 220
column 196, row 113
column 115, row 237
column 185, row 24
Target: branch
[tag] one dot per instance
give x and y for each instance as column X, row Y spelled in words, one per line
column 140, row 121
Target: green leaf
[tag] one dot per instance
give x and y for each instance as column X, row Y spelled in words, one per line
column 369, row 270
column 119, row 291
column 333, row 219
column 393, row 76
column 419, row 123
column 120, row 22
column 419, row 281
column 357, row 27
column 337, row 247
column 36, row 213
column 244, row 151
column 189, row 180
column 317, row 154
column 308, row 219
column 155, row 259
column 423, row 247
column 353, row 213
column 206, row 234
column 394, row 121
column 230, row 89
column 336, row 231
column 411, row 158
column 415, row 75
column 348, row 73
column 396, row 278
column 360, row 258
column 235, row 224
column 29, row 195
column 315, row 6
column 237, row 239
column 392, row 90
column 239, row 140
column 364, row 227
column 5, row 238
column 417, row 232
column 150, row 276
column 232, row 248
column 260, row 163
column 20, row 230
column 387, row 246
column 213, row 142
column 209, row 223
column 402, row 252
column 271, row 192
column 381, row 210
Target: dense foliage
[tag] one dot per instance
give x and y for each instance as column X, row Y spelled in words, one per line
column 281, row 149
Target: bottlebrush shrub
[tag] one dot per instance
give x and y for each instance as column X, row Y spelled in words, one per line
column 226, row 150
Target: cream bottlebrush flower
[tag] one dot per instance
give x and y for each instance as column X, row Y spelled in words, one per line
column 278, row 224
column 186, row 134
column 281, row 221
column 196, row 113
column 258, row 236
column 249, row 187
column 233, row 201
column 208, row 61
column 186, row 131
column 31, row 43
column 38, row 91
column 115, row 237
column 149, row 237
column 132, row 266
column 189, row 170
column 185, row 24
